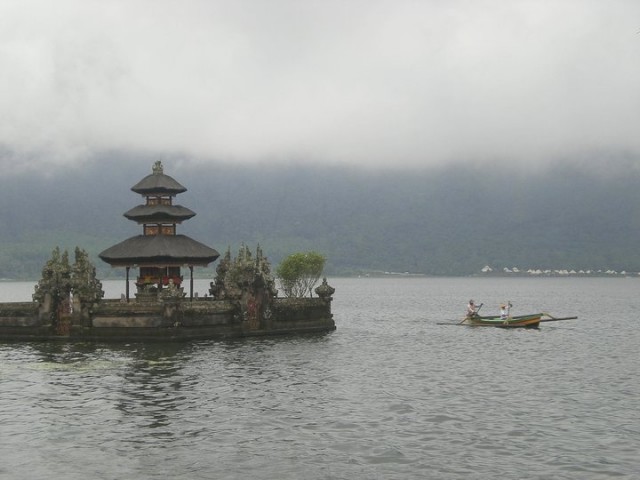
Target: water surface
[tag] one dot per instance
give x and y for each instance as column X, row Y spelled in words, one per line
column 389, row 394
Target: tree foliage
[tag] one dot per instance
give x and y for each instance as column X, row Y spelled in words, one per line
column 299, row 272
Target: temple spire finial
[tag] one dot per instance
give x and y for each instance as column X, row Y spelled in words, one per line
column 157, row 168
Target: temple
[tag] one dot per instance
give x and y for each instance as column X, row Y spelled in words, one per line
column 242, row 301
column 159, row 252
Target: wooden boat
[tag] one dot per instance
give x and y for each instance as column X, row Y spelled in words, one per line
column 528, row 321
column 532, row 320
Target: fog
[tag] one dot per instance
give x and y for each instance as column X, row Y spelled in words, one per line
column 358, row 82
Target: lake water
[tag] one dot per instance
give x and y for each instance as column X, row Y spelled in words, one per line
column 389, row 395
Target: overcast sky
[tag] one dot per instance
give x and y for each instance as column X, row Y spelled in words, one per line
column 356, row 81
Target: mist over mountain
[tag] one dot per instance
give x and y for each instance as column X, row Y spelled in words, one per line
column 437, row 221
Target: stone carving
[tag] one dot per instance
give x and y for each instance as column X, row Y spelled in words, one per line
column 59, row 281
column 324, row 290
column 53, row 290
column 248, row 282
column 157, row 168
column 171, row 292
column 241, row 274
column 218, row 289
column 84, row 282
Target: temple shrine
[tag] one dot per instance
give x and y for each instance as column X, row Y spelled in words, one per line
column 242, row 301
column 160, row 252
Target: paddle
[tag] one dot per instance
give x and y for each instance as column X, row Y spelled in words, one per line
column 555, row 319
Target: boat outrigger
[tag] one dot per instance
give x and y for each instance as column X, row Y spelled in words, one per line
column 505, row 319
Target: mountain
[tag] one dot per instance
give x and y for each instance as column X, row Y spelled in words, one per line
column 440, row 221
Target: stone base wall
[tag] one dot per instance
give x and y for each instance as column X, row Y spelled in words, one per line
column 182, row 319
column 24, row 314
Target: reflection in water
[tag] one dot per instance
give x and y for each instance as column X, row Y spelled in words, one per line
column 152, row 384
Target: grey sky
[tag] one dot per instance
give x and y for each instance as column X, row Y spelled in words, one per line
column 353, row 81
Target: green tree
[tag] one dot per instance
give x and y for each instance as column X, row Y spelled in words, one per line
column 299, row 272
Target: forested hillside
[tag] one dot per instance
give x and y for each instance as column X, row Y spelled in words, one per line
column 448, row 221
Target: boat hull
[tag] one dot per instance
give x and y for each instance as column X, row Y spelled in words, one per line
column 521, row 321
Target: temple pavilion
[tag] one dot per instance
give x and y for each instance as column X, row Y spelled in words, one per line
column 159, row 253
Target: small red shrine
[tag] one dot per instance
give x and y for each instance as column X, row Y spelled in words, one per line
column 160, row 252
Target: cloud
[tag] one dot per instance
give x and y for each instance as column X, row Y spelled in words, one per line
column 361, row 82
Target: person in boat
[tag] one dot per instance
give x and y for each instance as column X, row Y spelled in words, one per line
column 504, row 310
column 472, row 310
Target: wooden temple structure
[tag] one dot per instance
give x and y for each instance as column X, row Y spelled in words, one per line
column 159, row 252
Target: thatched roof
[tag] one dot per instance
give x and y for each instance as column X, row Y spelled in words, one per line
column 159, row 213
column 158, row 183
column 159, row 250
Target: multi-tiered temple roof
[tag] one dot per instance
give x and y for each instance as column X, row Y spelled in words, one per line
column 159, row 251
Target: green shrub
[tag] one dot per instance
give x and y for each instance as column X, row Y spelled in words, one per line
column 299, row 272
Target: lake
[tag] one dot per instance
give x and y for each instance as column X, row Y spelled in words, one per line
column 389, row 395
